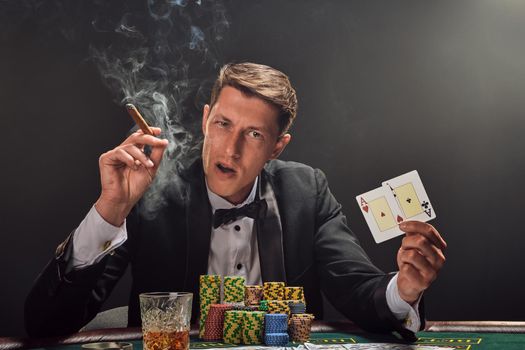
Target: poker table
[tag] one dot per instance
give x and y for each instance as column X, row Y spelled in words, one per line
column 470, row 335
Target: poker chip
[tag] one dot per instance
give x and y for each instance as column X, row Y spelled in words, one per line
column 297, row 307
column 300, row 327
column 273, row 290
column 209, row 293
column 276, row 339
column 253, row 327
column 278, row 307
column 253, row 295
column 233, row 325
column 214, row 324
column 309, row 316
column 233, row 289
column 275, row 323
column 294, row 293
column 245, row 308
column 263, row 306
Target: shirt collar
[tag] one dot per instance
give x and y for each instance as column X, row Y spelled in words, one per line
column 217, row 202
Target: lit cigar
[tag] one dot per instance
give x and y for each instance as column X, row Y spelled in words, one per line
column 134, row 113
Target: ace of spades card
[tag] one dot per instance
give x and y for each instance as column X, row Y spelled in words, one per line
column 381, row 213
column 408, row 192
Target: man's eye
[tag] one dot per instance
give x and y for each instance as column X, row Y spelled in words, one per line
column 222, row 123
column 255, row 134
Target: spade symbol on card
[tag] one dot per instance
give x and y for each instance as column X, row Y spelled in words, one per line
column 382, row 214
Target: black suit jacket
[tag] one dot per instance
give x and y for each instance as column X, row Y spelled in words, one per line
column 303, row 239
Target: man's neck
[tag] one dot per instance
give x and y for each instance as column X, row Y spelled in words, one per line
column 219, row 202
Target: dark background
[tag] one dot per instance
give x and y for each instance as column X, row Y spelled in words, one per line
column 384, row 87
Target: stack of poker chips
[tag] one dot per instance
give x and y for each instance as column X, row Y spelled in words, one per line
column 263, row 306
column 278, row 307
column 244, row 307
column 294, row 293
column 275, row 329
column 300, row 327
column 214, row 325
column 273, row 291
column 232, row 333
column 233, row 289
column 253, row 295
column 296, row 307
column 209, row 293
column 252, row 327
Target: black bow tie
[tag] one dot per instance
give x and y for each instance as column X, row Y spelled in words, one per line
column 226, row 216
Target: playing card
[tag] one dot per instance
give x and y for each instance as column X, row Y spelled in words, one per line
column 410, row 195
column 381, row 213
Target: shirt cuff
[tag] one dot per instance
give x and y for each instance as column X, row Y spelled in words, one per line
column 94, row 239
column 402, row 310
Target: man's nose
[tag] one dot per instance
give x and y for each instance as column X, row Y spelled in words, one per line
column 234, row 145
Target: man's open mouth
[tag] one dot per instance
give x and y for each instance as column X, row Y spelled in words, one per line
column 225, row 169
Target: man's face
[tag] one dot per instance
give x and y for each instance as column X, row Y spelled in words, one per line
column 241, row 133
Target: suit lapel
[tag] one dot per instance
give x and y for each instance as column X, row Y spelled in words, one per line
column 198, row 226
column 270, row 234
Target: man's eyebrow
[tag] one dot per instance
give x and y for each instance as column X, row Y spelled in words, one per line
column 250, row 127
column 262, row 128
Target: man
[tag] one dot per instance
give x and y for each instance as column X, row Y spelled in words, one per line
column 294, row 232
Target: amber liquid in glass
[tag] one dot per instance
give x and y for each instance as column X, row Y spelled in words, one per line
column 167, row 340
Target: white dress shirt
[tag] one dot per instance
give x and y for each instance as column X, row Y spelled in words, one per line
column 233, row 247
column 233, row 252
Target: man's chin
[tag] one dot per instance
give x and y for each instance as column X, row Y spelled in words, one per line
column 231, row 192
column 222, row 188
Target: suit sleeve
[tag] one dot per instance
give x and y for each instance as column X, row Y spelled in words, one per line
column 350, row 281
column 61, row 302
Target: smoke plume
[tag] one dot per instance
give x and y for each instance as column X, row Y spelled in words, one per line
column 162, row 61
column 160, row 55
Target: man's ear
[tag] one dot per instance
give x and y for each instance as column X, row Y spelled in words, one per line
column 280, row 145
column 205, row 115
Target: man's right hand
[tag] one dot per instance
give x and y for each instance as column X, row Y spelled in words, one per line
column 125, row 174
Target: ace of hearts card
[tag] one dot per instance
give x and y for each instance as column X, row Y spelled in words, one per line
column 401, row 198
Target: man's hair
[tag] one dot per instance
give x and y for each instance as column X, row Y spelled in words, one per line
column 261, row 81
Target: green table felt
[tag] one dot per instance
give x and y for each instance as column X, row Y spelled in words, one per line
column 469, row 341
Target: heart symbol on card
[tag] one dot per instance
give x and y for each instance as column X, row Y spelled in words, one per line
column 365, row 208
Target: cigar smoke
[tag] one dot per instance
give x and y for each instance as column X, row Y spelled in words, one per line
column 160, row 55
column 163, row 61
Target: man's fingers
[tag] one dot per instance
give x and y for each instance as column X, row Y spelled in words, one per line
column 425, row 229
column 157, row 152
column 129, row 155
column 156, row 131
column 137, row 153
column 135, row 143
column 139, row 138
column 417, row 260
column 420, row 243
column 425, row 273
column 118, row 157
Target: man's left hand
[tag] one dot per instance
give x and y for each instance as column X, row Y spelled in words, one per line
column 419, row 259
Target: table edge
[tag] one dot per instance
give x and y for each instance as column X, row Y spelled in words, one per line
column 135, row 333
